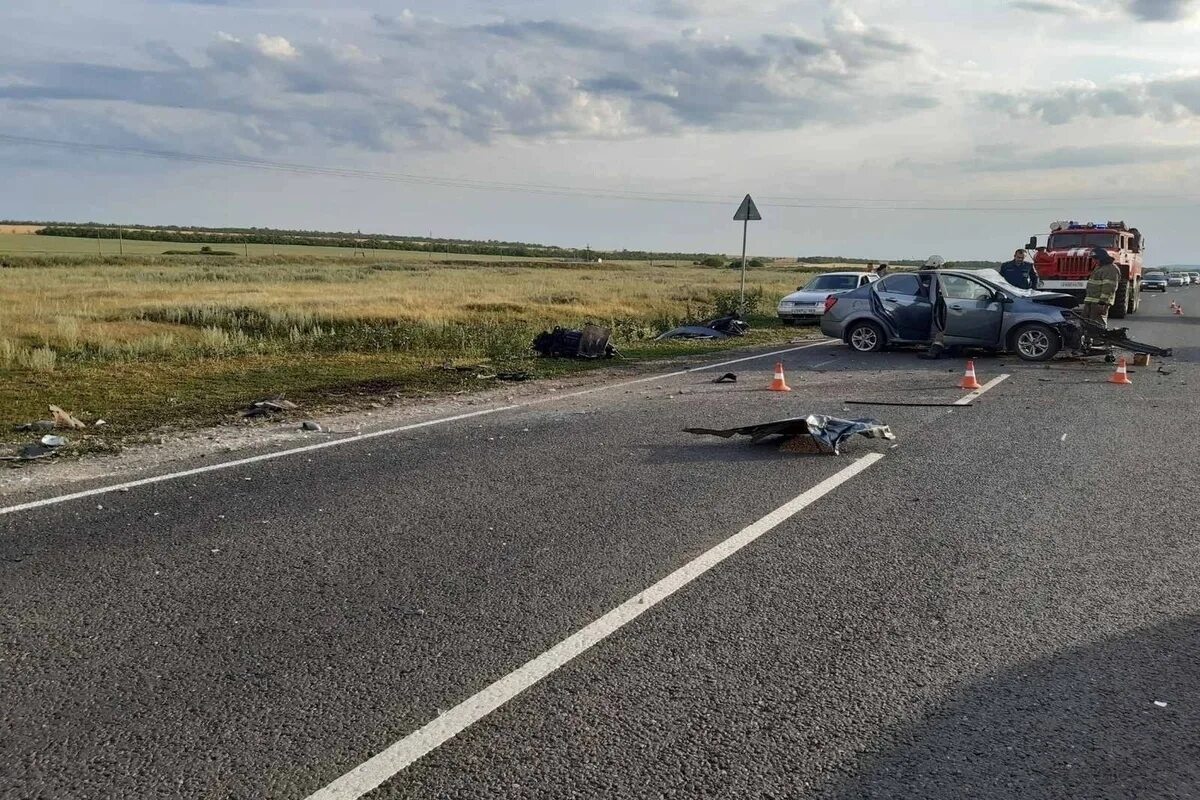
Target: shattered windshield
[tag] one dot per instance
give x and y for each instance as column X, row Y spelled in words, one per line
column 831, row 283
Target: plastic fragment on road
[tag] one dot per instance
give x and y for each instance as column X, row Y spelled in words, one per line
column 31, row 452
column 63, row 419
column 827, row 432
column 309, row 425
column 728, row 377
column 1160, row 704
column 39, row 425
column 50, row 440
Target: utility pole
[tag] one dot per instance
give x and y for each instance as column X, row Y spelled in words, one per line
column 120, row 243
column 99, row 250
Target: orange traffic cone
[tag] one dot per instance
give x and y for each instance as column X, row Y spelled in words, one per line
column 969, row 380
column 1121, row 376
column 779, row 384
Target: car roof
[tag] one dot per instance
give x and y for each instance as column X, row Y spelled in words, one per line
column 855, row 274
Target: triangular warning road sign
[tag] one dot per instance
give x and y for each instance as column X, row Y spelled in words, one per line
column 747, row 211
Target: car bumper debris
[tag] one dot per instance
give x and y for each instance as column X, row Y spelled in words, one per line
column 828, row 433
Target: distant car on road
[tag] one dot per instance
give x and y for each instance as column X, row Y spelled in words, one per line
column 808, row 303
column 1195, row 276
column 975, row 308
column 1177, row 279
column 1154, row 282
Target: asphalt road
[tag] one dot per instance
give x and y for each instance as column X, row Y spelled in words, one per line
column 1004, row 605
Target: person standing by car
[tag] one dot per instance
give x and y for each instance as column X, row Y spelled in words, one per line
column 1101, row 288
column 881, row 270
column 1020, row 272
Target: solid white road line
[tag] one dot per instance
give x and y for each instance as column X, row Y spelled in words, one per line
column 117, row 487
column 386, row 764
column 987, row 387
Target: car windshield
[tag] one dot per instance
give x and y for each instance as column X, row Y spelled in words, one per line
column 1066, row 241
column 831, row 283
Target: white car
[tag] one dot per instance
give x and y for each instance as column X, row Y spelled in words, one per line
column 1177, row 279
column 808, row 304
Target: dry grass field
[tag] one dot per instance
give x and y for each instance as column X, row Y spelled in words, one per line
column 142, row 340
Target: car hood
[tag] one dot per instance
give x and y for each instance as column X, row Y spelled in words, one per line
column 808, row 297
column 1054, row 299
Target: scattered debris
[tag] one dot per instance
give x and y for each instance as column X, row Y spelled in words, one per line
column 40, row 425
column 1162, row 371
column 100, row 423
column 62, row 419
column 54, row 441
column 308, row 425
column 728, row 377
column 265, row 408
column 591, row 342
column 505, row 376
column 31, row 452
column 828, row 432
column 1160, row 703
column 719, row 328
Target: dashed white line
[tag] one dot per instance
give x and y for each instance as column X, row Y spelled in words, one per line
column 386, row 764
column 987, row 387
column 117, row 487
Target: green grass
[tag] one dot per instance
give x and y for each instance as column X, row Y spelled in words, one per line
column 148, row 341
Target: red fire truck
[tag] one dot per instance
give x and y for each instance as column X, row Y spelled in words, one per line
column 1066, row 262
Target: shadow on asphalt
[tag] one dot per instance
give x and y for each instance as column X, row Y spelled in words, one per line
column 1080, row 724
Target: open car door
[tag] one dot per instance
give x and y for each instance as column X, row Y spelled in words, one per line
column 901, row 301
column 967, row 311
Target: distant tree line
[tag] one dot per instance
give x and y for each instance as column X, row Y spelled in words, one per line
column 900, row 262
column 372, row 241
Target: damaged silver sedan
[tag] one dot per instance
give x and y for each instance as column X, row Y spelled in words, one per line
column 965, row 308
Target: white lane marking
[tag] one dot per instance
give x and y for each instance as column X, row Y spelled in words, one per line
column 373, row 434
column 975, row 395
column 386, row 764
column 823, row 363
column 242, row 461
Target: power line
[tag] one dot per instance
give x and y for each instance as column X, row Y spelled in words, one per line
column 774, row 201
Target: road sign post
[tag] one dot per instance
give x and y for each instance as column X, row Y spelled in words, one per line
column 746, row 211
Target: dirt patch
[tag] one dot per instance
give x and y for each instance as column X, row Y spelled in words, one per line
column 30, row 229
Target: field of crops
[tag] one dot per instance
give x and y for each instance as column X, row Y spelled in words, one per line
column 140, row 339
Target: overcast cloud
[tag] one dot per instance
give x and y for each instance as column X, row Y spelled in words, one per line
column 846, row 102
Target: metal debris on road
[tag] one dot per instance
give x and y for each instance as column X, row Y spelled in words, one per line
column 827, row 432
column 31, row 452
column 50, row 440
column 590, row 342
column 265, row 408
column 728, row 377
column 308, row 425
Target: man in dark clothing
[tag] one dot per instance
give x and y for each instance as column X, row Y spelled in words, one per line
column 881, row 270
column 1019, row 272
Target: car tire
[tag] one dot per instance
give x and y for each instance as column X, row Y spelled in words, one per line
column 865, row 337
column 1035, row 342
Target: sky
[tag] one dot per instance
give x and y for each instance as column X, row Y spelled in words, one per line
column 869, row 128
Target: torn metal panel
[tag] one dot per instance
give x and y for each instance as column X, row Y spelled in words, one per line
column 591, row 342
column 719, row 328
column 1100, row 336
column 829, row 432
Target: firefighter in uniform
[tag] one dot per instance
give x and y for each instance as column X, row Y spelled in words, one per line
column 1101, row 288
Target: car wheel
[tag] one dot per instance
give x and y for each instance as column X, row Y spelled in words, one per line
column 1036, row 342
column 865, row 337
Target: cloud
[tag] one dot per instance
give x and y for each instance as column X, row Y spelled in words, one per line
column 1166, row 99
column 517, row 78
column 1161, row 10
column 1143, row 10
column 1004, row 159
